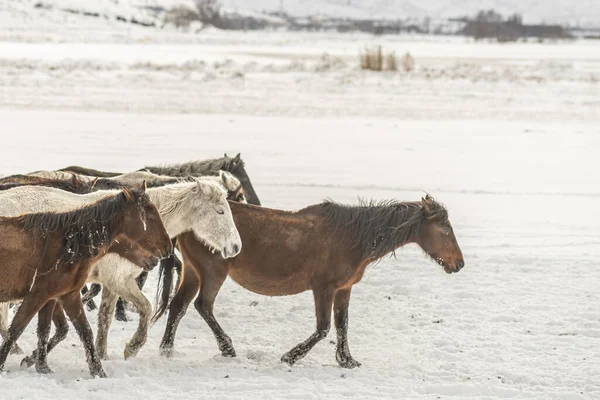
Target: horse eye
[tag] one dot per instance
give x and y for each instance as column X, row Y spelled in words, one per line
column 220, row 212
column 446, row 230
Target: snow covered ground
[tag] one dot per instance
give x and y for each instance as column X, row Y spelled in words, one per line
column 505, row 135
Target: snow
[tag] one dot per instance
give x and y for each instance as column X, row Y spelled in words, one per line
column 505, row 136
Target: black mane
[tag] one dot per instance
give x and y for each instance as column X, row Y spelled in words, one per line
column 89, row 171
column 85, row 230
column 379, row 228
column 197, row 168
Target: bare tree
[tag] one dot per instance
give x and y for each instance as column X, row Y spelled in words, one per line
column 209, row 11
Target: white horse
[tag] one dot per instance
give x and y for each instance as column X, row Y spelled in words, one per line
column 128, row 179
column 199, row 206
column 125, row 284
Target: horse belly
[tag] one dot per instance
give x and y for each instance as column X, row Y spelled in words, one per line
column 269, row 285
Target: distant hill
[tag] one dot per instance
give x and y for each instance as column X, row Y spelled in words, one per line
column 583, row 13
column 580, row 12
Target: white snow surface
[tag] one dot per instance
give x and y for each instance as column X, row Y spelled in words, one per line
column 506, row 136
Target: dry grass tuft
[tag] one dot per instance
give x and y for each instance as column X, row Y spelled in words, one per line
column 374, row 59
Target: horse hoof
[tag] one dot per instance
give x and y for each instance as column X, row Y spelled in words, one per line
column 99, row 373
column 91, row 305
column 288, row 359
column 43, row 369
column 347, row 361
column 349, row 364
column 130, row 352
column 28, row 361
column 166, row 351
column 121, row 317
column 16, row 351
column 228, row 352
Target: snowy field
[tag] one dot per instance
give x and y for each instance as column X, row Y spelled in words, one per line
column 506, row 136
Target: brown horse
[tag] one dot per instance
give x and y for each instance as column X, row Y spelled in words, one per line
column 48, row 257
column 324, row 248
column 73, row 185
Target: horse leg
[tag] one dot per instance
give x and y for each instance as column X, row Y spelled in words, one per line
column 185, row 294
column 105, row 316
column 131, row 292
column 141, row 280
column 323, row 304
column 4, row 327
column 120, row 314
column 73, row 306
column 61, row 325
column 43, row 332
column 30, row 306
column 88, row 294
column 62, row 328
column 340, row 317
column 209, row 288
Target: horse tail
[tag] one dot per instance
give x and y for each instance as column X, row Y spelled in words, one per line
column 165, row 283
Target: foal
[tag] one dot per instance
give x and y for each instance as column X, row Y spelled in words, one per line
column 49, row 255
column 324, row 248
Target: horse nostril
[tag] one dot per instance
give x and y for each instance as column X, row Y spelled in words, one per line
column 236, row 248
column 459, row 265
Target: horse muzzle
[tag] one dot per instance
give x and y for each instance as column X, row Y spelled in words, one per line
column 231, row 250
column 449, row 269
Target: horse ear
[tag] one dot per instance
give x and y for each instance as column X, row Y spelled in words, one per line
column 144, row 186
column 225, row 154
column 94, row 183
column 224, row 175
column 426, row 203
column 128, row 194
column 237, row 158
column 198, row 187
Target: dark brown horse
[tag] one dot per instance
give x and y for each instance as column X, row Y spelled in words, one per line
column 234, row 165
column 47, row 258
column 324, row 248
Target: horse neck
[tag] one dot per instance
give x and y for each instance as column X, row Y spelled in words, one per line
column 170, row 203
column 370, row 245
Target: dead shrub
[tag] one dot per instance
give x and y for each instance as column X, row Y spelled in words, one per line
column 181, row 16
column 391, row 63
column 408, row 62
column 374, row 59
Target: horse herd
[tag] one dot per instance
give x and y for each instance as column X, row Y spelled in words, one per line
column 62, row 229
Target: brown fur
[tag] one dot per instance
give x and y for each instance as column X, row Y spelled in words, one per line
column 73, row 185
column 324, row 248
column 37, row 270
